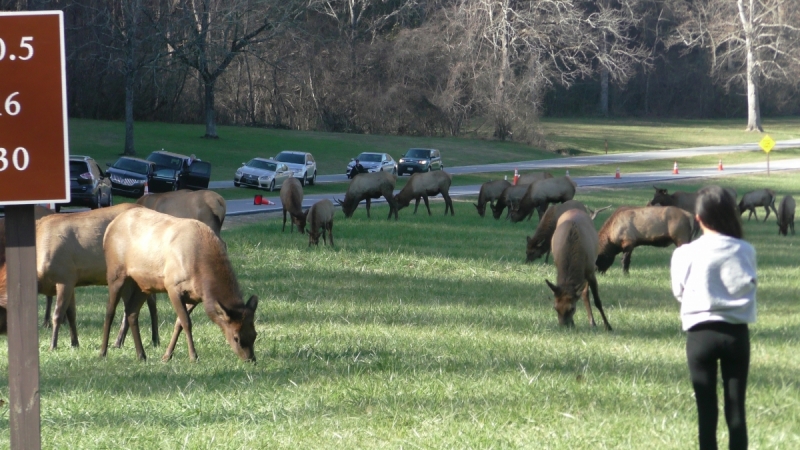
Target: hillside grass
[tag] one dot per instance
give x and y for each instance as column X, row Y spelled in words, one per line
column 427, row 332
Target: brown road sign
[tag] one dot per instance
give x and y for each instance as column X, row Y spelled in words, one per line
column 33, row 109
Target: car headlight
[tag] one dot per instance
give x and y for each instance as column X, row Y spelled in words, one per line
column 402, row 160
column 265, row 178
column 423, row 162
column 238, row 173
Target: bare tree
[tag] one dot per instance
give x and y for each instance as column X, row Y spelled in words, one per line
column 750, row 41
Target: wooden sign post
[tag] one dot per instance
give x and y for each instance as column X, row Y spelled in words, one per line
column 766, row 144
column 34, row 168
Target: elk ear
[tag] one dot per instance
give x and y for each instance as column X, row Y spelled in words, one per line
column 556, row 290
column 252, row 303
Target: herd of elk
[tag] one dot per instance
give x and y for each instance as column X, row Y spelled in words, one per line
column 540, row 194
column 513, row 194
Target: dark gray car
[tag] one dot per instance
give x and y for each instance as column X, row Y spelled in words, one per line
column 420, row 160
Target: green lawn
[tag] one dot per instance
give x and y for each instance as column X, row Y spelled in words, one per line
column 427, row 332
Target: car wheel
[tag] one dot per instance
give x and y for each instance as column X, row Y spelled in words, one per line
column 272, row 186
column 236, row 184
column 313, row 179
column 95, row 203
column 394, row 170
column 303, row 180
column 110, row 201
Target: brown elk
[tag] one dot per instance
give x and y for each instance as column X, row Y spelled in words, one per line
column 148, row 252
column 489, row 193
column 513, row 194
column 204, row 205
column 539, row 243
column 631, row 227
column 320, row 219
column 786, row 215
column 574, row 246
column 69, row 253
column 542, row 193
column 292, row 201
column 760, row 197
column 368, row 186
column 681, row 199
column 424, row 185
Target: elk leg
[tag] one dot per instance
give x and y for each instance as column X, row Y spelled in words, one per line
column 766, row 208
column 132, row 306
column 626, row 260
column 185, row 322
column 427, row 205
column 116, row 288
column 176, row 332
column 597, row 303
column 123, row 327
column 284, row 220
column 64, row 295
column 123, row 331
column 448, row 202
column 585, row 296
column 416, row 204
column 73, row 328
column 46, row 323
column 368, row 205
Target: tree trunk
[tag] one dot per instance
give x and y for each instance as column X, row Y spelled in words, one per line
column 604, row 91
column 130, row 150
column 211, row 124
column 753, row 108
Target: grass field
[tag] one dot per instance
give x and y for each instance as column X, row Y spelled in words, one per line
column 428, row 332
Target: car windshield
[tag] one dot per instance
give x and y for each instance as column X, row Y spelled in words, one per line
column 76, row 168
column 262, row 165
column 165, row 161
column 418, row 153
column 369, row 157
column 291, row 158
column 131, row 165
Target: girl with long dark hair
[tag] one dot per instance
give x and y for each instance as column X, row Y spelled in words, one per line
column 714, row 278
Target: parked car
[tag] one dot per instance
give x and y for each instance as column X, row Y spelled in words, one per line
column 175, row 171
column 373, row 162
column 128, row 176
column 301, row 163
column 420, row 160
column 88, row 185
column 262, row 173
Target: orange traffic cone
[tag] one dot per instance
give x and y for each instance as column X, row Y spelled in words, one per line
column 675, row 168
column 617, row 175
column 146, row 189
column 719, row 166
column 516, row 176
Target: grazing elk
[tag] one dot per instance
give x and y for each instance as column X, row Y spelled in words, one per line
column 786, row 215
column 490, row 192
column 760, row 197
column 368, row 186
column 681, row 199
column 424, row 185
column 320, row 220
column 69, row 253
column 513, row 193
column 574, row 246
column 630, row 227
column 292, row 201
column 542, row 193
column 148, row 252
column 204, row 205
column 539, row 243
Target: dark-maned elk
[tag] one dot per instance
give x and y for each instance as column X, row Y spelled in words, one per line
column 759, row 197
column 320, row 220
column 292, row 201
column 681, row 199
column 69, row 253
column 368, row 186
column 490, row 192
column 424, row 185
column 574, row 246
column 629, row 227
column 512, row 194
column 542, row 193
column 148, row 252
column 204, row 205
column 786, row 215
column 539, row 243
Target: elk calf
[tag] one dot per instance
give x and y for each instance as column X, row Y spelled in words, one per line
column 786, row 215
column 292, row 202
column 574, row 247
column 320, row 219
column 424, row 185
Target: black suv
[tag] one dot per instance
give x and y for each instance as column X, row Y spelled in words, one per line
column 128, row 176
column 420, row 160
column 174, row 171
column 88, row 185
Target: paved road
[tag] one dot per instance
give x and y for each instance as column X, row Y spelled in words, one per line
column 246, row 206
column 576, row 161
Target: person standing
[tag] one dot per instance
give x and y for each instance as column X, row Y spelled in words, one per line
column 714, row 278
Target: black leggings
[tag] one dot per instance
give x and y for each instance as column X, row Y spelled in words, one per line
column 707, row 343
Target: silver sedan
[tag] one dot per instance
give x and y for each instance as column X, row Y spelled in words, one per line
column 374, row 162
column 262, row 173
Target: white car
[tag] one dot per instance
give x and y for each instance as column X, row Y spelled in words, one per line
column 373, row 162
column 301, row 163
column 262, row 173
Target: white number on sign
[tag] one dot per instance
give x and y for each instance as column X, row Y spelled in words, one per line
column 20, row 159
column 2, row 49
column 25, row 43
column 12, row 107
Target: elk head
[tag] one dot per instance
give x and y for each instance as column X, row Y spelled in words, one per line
column 239, row 327
column 481, row 209
column 565, row 303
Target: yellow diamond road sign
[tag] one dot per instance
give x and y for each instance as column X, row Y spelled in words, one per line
column 767, row 143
